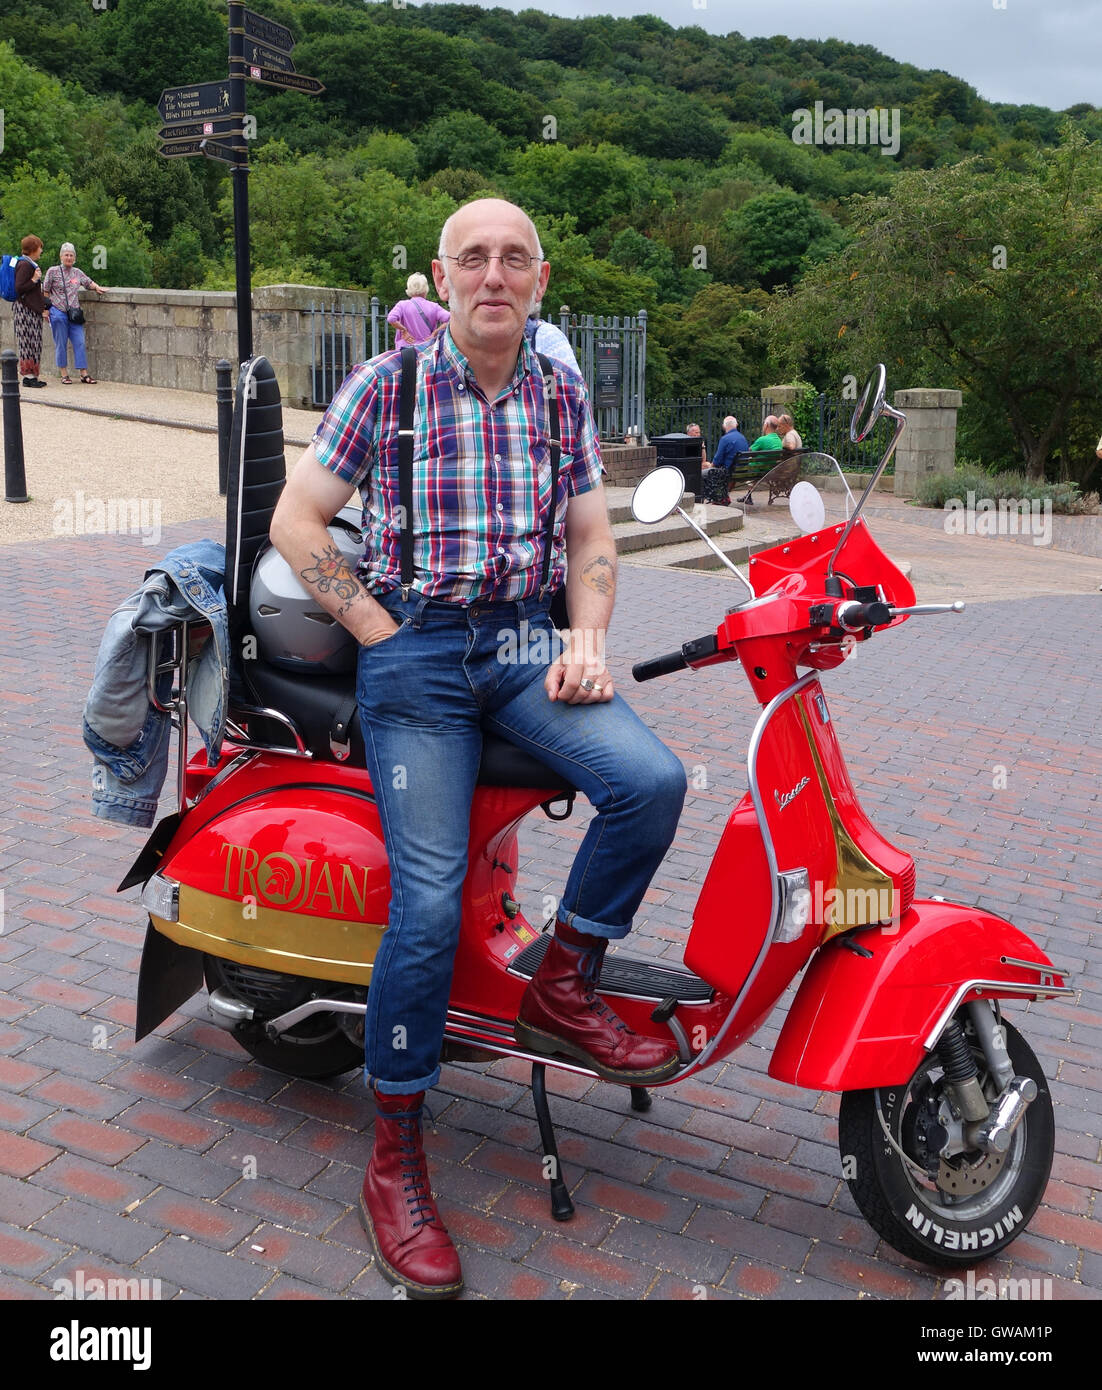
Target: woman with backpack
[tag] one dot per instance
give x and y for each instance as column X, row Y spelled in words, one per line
column 62, row 286
column 29, row 308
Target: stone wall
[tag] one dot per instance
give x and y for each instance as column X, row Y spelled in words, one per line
column 626, row 464
column 174, row 338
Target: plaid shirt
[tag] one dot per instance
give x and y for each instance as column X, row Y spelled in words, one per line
column 481, row 472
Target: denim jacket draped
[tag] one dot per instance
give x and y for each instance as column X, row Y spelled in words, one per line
column 127, row 735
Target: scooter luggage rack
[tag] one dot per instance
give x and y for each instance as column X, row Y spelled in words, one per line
column 179, row 635
column 177, row 663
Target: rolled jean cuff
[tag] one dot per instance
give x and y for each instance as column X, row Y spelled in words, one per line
column 576, row 922
column 401, row 1088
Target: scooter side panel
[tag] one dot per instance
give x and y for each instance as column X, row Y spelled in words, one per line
column 291, row 879
column 860, row 1021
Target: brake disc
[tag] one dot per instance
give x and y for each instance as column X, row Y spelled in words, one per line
column 969, row 1177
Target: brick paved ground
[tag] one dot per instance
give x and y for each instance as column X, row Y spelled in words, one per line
column 123, row 1159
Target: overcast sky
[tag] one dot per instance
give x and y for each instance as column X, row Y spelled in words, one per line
column 1048, row 52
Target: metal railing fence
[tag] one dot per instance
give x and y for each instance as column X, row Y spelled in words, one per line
column 827, row 430
column 611, row 352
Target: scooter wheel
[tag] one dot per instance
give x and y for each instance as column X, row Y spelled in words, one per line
column 952, row 1213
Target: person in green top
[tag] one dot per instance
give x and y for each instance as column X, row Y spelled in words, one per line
column 769, row 439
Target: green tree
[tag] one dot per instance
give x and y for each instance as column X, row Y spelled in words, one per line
column 55, row 211
column 717, row 343
column 987, row 280
column 594, row 184
column 460, row 140
column 148, row 45
column 40, row 117
column 778, row 234
column 167, row 195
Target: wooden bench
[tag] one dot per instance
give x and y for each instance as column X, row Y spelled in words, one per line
column 780, row 480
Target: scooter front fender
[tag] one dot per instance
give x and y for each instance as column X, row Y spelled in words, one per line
column 864, row 1017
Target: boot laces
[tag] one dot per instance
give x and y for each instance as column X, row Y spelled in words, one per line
column 598, row 1006
column 415, row 1169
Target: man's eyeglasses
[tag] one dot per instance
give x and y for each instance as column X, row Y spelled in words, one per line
column 475, row 260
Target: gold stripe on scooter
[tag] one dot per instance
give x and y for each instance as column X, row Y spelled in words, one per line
column 291, row 943
column 861, row 889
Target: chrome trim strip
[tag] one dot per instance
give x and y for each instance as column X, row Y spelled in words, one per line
column 1034, row 965
column 702, row 1059
column 1015, row 986
column 232, row 766
column 460, row 1016
column 514, row 1051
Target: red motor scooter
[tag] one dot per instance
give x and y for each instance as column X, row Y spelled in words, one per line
column 271, row 882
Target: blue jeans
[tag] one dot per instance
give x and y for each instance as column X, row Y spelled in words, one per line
column 425, row 696
column 65, row 333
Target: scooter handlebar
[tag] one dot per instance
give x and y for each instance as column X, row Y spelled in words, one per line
column 696, row 650
column 658, row 666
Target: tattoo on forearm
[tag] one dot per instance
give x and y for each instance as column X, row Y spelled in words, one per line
column 333, row 574
column 600, row 576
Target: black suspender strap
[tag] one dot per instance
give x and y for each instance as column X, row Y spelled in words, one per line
column 551, row 396
column 406, row 399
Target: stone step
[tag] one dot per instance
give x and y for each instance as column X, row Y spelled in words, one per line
column 619, row 503
column 696, row 555
column 634, row 536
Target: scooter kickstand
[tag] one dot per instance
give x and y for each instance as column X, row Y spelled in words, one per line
column 562, row 1208
column 640, row 1098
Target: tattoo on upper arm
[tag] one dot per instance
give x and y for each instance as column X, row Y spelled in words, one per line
column 333, row 574
column 599, row 574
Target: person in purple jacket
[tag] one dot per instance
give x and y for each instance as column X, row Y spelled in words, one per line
column 416, row 319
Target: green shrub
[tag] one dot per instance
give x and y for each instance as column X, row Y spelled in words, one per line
column 939, row 488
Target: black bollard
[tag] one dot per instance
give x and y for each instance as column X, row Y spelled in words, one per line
column 15, row 477
column 224, row 395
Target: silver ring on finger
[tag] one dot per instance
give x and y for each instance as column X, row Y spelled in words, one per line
column 587, row 684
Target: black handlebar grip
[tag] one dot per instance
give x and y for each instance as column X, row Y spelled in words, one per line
column 659, row 666
column 874, row 614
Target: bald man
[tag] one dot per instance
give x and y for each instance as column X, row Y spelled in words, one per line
column 432, row 676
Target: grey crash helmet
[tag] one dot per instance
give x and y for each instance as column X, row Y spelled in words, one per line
column 293, row 631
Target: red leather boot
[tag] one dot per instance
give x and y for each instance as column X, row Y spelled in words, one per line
column 560, row 1012
column 411, row 1243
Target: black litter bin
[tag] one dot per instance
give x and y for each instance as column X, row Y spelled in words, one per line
column 683, row 451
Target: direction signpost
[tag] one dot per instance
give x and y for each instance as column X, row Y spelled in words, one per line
column 289, row 81
column 187, row 130
column 214, row 150
column 195, row 103
column 207, row 119
column 173, row 149
column 258, row 54
column 267, row 30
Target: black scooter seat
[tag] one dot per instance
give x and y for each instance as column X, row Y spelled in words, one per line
column 324, row 706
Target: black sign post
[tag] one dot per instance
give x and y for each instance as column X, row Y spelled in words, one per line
column 239, row 171
column 208, row 119
column 608, row 374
